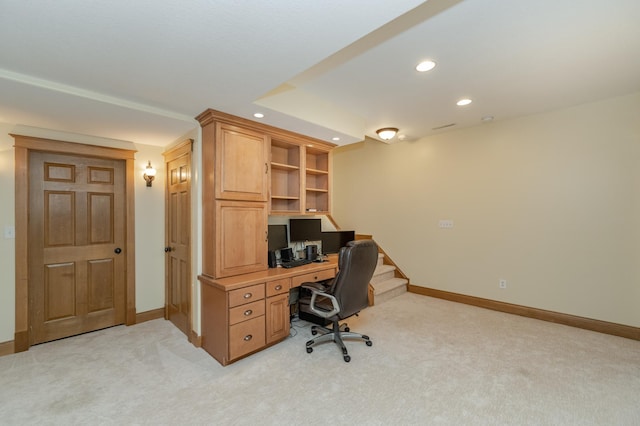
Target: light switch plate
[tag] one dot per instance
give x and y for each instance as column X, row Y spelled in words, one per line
column 445, row 224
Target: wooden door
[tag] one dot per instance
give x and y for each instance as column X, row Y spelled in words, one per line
column 277, row 317
column 76, row 240
column 241, row 237
column 178, row 238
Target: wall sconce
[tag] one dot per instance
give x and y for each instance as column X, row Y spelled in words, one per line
column 149, row 174
column 387, row 133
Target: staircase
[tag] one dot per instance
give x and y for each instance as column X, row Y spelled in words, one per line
column 385, row 283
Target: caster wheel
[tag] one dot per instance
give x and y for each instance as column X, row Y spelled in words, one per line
column 347, row 358
column 347, row 329
column 369, row 342
column 309, row 350
column 314, row 332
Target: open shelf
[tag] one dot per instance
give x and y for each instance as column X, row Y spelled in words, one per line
column 285, row 177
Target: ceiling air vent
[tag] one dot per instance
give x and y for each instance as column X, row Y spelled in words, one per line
column 444, row 126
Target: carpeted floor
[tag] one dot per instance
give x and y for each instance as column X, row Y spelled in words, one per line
column 432, row 362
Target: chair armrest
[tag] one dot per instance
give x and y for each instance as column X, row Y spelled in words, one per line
column 314, row 286
column 319, row 289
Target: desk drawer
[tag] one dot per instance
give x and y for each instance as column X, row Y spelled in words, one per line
column 313, row 277
column 278, row 286
column 246, row 337
column 246, row 295
column 246, row 312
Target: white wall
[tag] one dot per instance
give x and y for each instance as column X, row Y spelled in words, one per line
column 7, row 246
column 550, row 202
column 150, row 240
column 149, row 213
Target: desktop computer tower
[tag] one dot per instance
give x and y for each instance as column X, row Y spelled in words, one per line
column 271, row 260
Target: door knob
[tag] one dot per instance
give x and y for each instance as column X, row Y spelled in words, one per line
column 167, row 249
column 118, row 250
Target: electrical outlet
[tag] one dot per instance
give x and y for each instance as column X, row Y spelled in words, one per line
column 502, row 283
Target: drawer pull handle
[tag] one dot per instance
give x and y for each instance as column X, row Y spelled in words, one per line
column 278, row 287
column 248, row 312
column 247, row 295
column 248, row 337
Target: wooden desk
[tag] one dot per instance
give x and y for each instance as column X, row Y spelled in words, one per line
column 246, row 313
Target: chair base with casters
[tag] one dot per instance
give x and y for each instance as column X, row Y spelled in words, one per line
column 328, row 334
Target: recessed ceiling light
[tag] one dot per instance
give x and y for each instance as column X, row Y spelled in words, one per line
column 258, row 115
column 335, row 138
column 425, row 66
column 463, row 102
column 487, row 118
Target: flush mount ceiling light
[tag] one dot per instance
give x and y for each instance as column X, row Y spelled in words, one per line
column 425, row 66
column 387, row 133
column 258, row 115
column 463, row 102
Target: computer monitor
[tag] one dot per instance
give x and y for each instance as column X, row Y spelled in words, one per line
column 277, row 237
column 305, row 229
column 333, row 241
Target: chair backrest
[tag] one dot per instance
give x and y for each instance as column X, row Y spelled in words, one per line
column 356, row 263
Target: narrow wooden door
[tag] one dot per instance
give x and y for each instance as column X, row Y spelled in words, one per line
column 241, row 237
column 242, row 164
column 76, row 240
column 178, row 235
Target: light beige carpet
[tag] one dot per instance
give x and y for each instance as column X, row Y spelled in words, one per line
column 432, row 362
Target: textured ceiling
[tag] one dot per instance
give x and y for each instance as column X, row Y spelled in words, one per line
column 141, row 70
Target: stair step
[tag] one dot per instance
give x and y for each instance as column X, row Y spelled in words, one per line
column 380, row 259
column 388, row 289
column 383, row 273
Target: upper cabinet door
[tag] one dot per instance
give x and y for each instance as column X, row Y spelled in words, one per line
column 242, row 164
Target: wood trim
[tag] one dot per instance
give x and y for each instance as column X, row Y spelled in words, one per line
column 210, row 115
column 130, row 318
column 149, row 315
column 51, row 145
column 599, row 326
column 333, row 222
column 7, row 348
column 183, row 148
column 21, row 336
column 387, row 260
column 24, row 144
column 195, row 339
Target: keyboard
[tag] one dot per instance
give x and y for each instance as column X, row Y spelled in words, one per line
column 294, row 263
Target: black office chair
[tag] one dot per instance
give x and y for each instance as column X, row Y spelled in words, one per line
column 345, row 296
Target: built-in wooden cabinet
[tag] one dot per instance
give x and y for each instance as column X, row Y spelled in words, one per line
column 300, row 178
column 251, row 170
column 317, row 181
column 280, row 172
column 246, row 313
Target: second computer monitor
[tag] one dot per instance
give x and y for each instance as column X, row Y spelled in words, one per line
column 333, row 241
